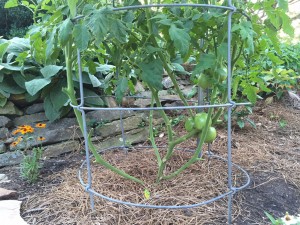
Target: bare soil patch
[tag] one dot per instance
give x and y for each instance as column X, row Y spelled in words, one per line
column 270, row 153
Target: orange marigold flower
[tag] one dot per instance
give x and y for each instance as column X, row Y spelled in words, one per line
column 16, row 131
column 40, row 138
column 40, row 125
column 14, row 144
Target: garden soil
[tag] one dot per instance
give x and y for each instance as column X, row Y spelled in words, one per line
column 270, row 153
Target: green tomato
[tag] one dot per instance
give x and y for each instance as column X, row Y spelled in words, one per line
column 204, row 81
column 200, row 121
column 211, row 135
column 222, row 73
column 189, row 124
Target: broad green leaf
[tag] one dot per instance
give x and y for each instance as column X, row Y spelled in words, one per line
column 118, row 29
column 34, row 86
column 206, row 61
column 122, row 87
column 81, row 36
column 72, row 7
column 51, row 111
column 50, row 71
column 180, row 38
column 152, row 73
column 95, row 81
column 9, row 85
column 92, row 99
column 11, row 4
column 3, row 100
column 18, row 45
column 65, row 31
column 10, row 67
column 55, row 100
column 3, row 48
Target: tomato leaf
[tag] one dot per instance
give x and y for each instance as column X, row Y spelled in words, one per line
column 72, row 7
column 65, row 32
column 250, row 92
column 100, row 24
column 180, row 38
column 206, row 61
column 118, row 30
column 81, row 36
column 122, row 87
column 152, row 73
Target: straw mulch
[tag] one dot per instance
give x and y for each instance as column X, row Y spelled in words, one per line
column 270, row 154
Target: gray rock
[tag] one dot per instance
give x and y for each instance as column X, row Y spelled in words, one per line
column 167, row 82
column 114, row 128
column 8, row 194
column 107, row 115
column 30, row 119
column 62, row 130
column 10, row 109
column 4, row 132
column 4, row 179
column 55, row 150
column 2, row 148
column 189, row 91
column 36, row 108
column 10, row 158
column 139, row 87
column 5, row 122
column 132, row 137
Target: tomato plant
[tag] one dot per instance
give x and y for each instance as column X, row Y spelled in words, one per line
column 143, row 44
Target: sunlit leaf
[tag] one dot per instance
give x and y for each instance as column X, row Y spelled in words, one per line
column 36, row 85
column 50, row 70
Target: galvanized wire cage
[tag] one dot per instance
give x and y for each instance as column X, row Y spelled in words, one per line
column 86, row 165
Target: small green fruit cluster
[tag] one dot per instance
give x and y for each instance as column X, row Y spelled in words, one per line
column 198, row 123
column 207, row 79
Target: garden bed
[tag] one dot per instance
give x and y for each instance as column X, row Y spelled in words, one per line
column 270, row 153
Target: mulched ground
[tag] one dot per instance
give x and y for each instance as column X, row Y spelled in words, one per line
column 270, row 153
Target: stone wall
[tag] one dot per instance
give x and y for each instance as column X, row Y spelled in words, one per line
column 64, row 136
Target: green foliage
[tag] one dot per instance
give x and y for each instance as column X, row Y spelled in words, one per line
column 143, row 44
column 30, row 165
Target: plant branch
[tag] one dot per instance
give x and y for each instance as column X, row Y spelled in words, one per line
column 71, row 94
column 198, row 150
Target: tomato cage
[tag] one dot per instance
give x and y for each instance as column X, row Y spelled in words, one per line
column 198, row 105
